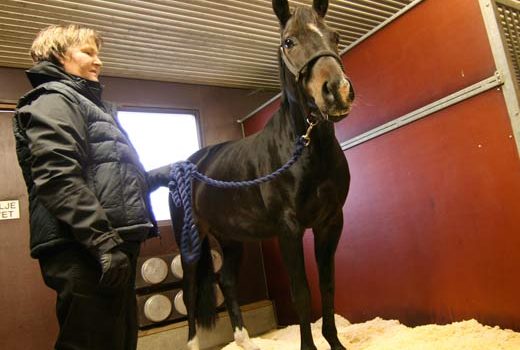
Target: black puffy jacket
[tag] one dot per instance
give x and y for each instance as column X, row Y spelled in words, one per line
column 84, row 178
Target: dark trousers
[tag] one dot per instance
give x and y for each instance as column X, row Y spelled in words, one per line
column 90, row 317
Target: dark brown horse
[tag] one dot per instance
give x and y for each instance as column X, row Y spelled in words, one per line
column 310, row 194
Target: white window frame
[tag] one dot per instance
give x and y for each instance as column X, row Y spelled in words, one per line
column 153, row 110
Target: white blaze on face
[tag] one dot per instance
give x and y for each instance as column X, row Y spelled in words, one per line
column 242, row 339
column 194, row 344
column 315, row 29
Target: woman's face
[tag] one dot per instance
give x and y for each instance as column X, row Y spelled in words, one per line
column 83, row 61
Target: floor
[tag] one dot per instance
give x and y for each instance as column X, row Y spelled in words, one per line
column 379, row 334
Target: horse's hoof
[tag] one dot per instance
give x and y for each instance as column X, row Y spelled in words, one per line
column 242, row 339
column 193, row 344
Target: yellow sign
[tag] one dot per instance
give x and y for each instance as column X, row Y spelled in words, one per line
column 9, row 210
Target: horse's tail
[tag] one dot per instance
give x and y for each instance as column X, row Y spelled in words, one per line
column 206, row 311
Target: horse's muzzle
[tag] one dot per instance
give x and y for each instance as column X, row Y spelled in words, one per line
column 338, row 96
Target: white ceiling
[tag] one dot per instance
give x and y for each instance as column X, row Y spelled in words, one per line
column 211, row 42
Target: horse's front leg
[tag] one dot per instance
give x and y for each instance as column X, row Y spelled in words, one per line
column 232, row 256
column 291, row 247
column 326, row 240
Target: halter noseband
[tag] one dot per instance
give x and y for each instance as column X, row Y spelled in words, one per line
column 298, row 71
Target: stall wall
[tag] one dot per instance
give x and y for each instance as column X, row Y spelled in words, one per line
column 27, row 319
column 431, row 222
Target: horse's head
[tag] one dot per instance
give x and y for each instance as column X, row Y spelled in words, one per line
column 309, row 53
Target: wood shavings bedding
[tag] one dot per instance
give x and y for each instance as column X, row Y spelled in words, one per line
column 379, row 334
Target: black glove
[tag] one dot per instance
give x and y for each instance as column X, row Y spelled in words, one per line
column 115, row 268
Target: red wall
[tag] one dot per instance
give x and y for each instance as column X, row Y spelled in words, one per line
column 431, row 229
column 260, row 118
column 439, row 47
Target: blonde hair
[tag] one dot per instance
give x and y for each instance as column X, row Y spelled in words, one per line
column 52, row 42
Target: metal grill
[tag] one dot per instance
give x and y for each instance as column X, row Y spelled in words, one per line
column 211, row 42
column 509, row 19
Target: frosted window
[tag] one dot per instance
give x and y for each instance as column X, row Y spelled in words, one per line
column 160, row 139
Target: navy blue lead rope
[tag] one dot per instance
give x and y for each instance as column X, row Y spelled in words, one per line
column 181, row 175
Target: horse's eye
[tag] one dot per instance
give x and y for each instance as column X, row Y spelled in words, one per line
column 288, row 43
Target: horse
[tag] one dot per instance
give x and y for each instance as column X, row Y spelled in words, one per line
column 310, row 194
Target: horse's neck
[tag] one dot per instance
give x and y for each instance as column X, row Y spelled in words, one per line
column 288, row 123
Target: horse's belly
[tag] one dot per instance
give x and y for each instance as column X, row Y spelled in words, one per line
column 237, row 229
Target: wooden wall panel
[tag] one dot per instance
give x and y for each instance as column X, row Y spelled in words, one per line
column 437, row 48
column 26, row 304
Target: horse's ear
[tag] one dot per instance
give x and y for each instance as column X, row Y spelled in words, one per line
column 320, row 6
column 281, row 9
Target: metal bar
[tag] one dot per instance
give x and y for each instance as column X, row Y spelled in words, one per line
column 425, row 111
column 503, row 63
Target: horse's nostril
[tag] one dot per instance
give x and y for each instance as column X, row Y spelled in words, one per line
column 330, row 90
column 326, row 89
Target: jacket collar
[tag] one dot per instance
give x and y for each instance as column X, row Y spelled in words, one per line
column 46, row 71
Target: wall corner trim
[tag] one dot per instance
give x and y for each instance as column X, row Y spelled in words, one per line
column 502, row 61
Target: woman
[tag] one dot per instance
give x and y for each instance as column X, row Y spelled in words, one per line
column 88, row 192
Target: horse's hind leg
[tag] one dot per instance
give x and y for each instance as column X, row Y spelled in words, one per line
column 189, row 293
column 292, row 252
column 232, row 256
column 189, row 283
column 325, row 242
